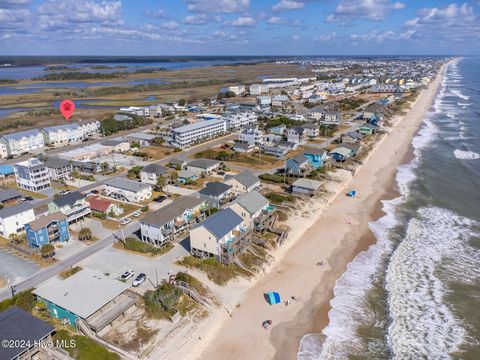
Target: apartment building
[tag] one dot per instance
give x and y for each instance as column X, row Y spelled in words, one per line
column 61, row 135
column 58, row 169
column 240, row 120
column 252, row 136
column 23, row 142
column 32, row 175
column 47, row 229
column 188, row 135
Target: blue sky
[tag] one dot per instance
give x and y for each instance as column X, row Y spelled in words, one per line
column 238, row 27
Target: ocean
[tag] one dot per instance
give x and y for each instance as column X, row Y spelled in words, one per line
column 415, row 294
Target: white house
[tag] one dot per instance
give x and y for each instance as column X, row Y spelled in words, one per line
column 240, row 120
column 311, row 130
column 279, row 100
column 73, row 205
column 297, row 135
column 257, row 89
column 185, row 136
column 3, row 151
column 332, row 118
column 58, row 169
column 264, row 101
column 32, row 175
column 127, row 190
column 23, row 142
column 252, row 136
column 14, row 218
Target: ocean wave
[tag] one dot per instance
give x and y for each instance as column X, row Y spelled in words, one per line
column 422, row 325
column 459, row 94
column 464, row 104
column 466, row 155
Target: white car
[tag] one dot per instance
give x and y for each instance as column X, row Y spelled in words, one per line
column 139, row 279
column 127, row 275
column 125, row 221
column 137, row 213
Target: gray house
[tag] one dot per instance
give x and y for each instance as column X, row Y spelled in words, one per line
column 297, row 165
column 58, row 169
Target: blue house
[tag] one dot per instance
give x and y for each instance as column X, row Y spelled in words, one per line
column 316, row 158
column 47, row 229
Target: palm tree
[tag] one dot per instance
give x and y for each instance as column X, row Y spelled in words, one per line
column 85, row 234
column 174, row 177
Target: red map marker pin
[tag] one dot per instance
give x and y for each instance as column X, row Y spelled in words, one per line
column 67, row 107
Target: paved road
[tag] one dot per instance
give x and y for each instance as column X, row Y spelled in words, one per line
column 55, row 269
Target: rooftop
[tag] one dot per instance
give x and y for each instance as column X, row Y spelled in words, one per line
column 197, row 125
column 43, row 221
column 68, row 199
column 155, row 169
column 127, row 184
column 22, row 134
column 203, row 163
column 307, row 184
column 99, row 204
column 82, row 293
column 56, row 162
column 9, row 194
column 17, row 324
column 171, row 211
column 222, row 222
column 142, row 136
column 246, row 178
column 215, row 188
column 14, row 210
column 252, row 201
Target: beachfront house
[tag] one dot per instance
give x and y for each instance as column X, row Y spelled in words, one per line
column 164, row 224
column 243, row 182
column 344, row 152
column 297, row 165
column 127, row 190
column 216, row 194
column 47, row 229
column 351, row 137
column 250, row 206
column 221, row 236
column 73, row 205
column 277, row 151
column 368, row 129
column 306, row 187
column 316, row 158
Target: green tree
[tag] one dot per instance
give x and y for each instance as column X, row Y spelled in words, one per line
column 182, row 102
column 104, row 165
column 85, row 234
column 47, row 250
column 134, row 172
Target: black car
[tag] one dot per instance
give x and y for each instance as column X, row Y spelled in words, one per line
column 160, row 199
column 94, row 191
column 28, row 198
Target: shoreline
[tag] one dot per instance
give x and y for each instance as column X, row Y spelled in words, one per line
column 336, row 232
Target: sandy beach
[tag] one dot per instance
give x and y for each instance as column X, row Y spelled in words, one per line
column 332, row 231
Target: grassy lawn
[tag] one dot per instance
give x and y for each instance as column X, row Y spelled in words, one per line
column 35, row 195
column 220, row 274
column 140, row 247
column 254, row 159
column 278, row 198
column 85, row 348
column 72, row 271
column 157, row 152
column 127, row 208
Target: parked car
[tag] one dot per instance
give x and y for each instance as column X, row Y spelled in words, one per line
column 221, row 173
column 64, row 192
column 127, row 275
column 28, row 198
column 160, row 199
column 94, row 191
column 125, row 221
column 137, row 213
column 139, row 279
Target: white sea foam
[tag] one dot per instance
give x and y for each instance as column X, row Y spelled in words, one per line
column 340, row 337
column 463, row 104
column 459, row 94
column 422, row 325
column 466, row 155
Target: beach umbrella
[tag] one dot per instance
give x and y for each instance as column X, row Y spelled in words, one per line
column 272, row 297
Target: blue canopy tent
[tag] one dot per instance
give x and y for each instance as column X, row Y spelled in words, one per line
column 352, row 193
column 272, row 297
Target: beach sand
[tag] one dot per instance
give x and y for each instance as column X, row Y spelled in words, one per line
column 334, row 236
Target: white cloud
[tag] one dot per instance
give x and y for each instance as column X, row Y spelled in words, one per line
column 374, row 36
column 13, row 18
column 326, row 37
column 5, row 4
column 171, row 25
column 288, row 5
column 275, row 20
column 295, row 37
column 218, row 6
column 199, row 19
column 375, row 10
column 398, row 6
column 242, row 21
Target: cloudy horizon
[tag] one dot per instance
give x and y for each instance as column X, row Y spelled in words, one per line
column 239, row 27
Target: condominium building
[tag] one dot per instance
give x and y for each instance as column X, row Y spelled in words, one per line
column 32, row 175
column 23, row 142
column 127, row 190
column 240, row 120
column 188, row 135
column 252, row 136
column 14, row 218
